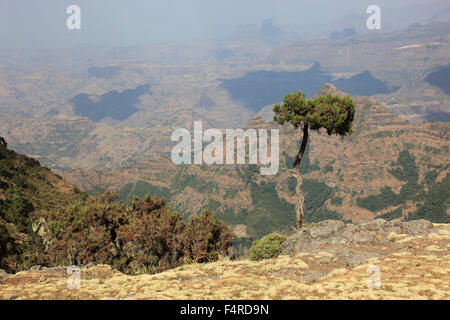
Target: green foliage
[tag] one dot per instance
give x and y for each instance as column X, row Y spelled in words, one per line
column 230, row 194
column 321, row 214
column 437, row 200
column 316, row 194
column 262, row 220
column 337, row 201
column 181, row 181
column 397, row 213
column 431, row 176
column 141, row 189
column 268, row 247
column 378, row 202
column 327, row 169
column 333, row 113
column 212, row 205
column 406, row 169
column 380, row 134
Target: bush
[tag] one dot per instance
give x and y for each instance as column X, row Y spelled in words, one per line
column 206, row 238
column 268, row 247
column 144, row 237
column 153, row 237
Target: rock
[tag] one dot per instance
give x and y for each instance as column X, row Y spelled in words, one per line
column 36, row 268
column 374, row 225
column 325, row 228
column 363, row 237
column 417, row 227
column 3, row 274
column 394, row 223
column 312, row 276
column 349, row 231
column 393, row 226
column 54, row 270
column 360, row 258
column 296, row 243
column 128, row 297
column 325, row 259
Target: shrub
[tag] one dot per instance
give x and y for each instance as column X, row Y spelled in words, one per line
column 268, row 247
column 144, row 237
column 207, row 238
column 153, row 237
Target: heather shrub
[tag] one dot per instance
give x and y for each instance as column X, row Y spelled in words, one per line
column 268, row 247
column 145, row 236
column 153, row 237
column 85, row 231
column 206, row 238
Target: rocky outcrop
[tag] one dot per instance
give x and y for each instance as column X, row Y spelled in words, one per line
column 354, row 244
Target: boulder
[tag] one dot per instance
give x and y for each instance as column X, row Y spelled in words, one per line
column 374, row 225
column 312, row 276
column 417, row 227
column 363, row 237
column 361, row 258
column 325, row 229
column 36, row 268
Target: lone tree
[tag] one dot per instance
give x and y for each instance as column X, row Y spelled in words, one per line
column 333, row 113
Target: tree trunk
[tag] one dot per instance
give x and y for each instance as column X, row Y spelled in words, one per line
column 297, row 175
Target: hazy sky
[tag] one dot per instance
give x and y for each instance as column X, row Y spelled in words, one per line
column 42, row 23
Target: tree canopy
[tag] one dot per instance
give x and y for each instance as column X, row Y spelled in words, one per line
column 333, row 113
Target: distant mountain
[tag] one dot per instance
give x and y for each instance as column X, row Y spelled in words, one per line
column 257, row 89
column 440, row 79
column 363, row 84
column 113, row 104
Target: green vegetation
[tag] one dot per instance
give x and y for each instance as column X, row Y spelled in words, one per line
column 181, row 181
column 430, row 177
column 404, row 170
column 337, row 201
column 435, row 200
column 262, row 220
column 380, row 134
column 378, row 202
column 397, row 213
column 141, row 189
column 268, row 247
